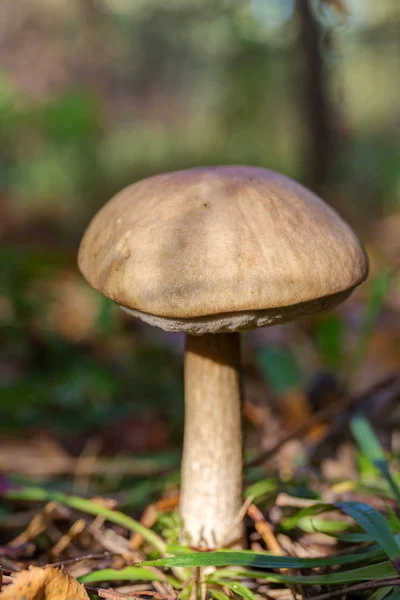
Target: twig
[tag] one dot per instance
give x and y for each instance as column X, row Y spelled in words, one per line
column 193, row 591
column 203, row 585
column 264, row 529
column 74, row 531
column 37, row 525
column 76, row 559
column 329, row 412
column 358, row 587
column 237, row 520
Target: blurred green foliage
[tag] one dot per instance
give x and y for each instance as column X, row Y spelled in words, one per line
column 56, row 381
column 111, row 91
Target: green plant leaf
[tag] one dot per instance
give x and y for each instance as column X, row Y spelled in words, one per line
column 239, row 589
column 330, row 339
column 381, row 593
column 218, row 595
column 366, row 439
column 369, row 444
column 353, row 538
column 128, row 573
column 222, row 558
column 382, row 570
column 262, row 488
column 373, row 523
column 280, row 368
column 328, row 526
column 133, row 573
column 290, row 522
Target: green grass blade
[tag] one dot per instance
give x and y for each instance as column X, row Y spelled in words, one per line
column 327, row 526
column 370, row 446
column 292, row 521
column 128, row 573
column 373, row 533
column 369, row 573
column 350, row 538
column 373, row 523
column 262, row 487
column 258, row 559
column 366, row 439
column 218, row 595
column 132, row 573
column 381, row 593
column 239, row 589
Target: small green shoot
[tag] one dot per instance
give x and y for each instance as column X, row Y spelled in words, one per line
column 370, row 446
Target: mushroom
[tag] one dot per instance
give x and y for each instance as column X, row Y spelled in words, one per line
column 212, row 252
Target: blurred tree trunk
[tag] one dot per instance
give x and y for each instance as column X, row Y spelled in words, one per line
column 318, row 112
column 94, row 70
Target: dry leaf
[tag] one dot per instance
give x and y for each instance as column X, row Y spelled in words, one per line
column 44, row 584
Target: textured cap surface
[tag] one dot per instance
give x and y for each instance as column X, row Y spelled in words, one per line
column 210, row 242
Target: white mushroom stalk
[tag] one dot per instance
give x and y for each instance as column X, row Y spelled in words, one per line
column 212, row 472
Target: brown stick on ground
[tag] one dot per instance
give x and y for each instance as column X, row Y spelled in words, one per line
column 211, row 490
column 324, row 414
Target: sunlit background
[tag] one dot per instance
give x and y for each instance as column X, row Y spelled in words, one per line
column 95, row 94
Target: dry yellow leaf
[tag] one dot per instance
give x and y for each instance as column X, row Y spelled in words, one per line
column 44, row 584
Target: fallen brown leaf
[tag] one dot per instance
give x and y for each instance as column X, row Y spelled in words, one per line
column 44, row 584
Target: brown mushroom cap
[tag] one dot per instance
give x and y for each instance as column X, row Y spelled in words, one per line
column 220, row 249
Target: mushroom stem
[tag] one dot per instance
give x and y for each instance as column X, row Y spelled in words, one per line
column 212, row 469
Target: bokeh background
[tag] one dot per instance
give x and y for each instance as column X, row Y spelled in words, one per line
column 96, row 94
